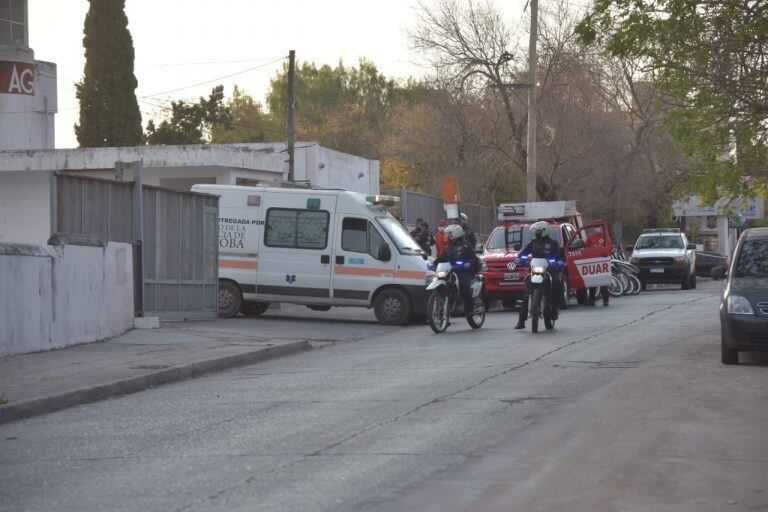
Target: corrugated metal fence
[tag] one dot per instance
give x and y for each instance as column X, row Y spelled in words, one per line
column 180, row 263
column 414, row 205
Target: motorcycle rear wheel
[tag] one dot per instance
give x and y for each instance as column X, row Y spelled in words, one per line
column 549, row 322
column 438, row 308
column 476, row 318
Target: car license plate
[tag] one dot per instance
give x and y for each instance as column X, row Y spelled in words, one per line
column 511, row 277
column 657, row 271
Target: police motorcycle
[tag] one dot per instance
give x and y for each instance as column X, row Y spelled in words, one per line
column 445, row 299
column 540, row 284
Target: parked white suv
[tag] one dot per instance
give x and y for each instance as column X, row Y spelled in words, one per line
column 665, row 256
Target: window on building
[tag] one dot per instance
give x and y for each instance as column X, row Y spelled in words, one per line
column 12, row 21
column 299, row 229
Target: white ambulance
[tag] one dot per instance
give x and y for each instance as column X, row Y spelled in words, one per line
column 320, row 248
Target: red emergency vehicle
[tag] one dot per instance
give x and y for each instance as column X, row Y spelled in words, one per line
column 587, row 250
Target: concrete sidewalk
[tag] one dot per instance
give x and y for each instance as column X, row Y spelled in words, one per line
column 44, row 382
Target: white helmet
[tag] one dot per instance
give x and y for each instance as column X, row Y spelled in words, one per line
column 453, row 232
column 541, row 225
column 464, row 218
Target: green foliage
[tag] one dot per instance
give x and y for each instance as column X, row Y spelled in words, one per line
column 249, row 122
column 109, row 112
column 709, row 59
column 191, row 123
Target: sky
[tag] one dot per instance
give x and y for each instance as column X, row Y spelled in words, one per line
column 181, row 43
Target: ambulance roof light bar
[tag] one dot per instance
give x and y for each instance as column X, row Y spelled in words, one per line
column 538, row 210
column 385, row 201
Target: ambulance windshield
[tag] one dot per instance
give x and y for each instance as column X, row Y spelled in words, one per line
column 399, row 236
column 517, row 237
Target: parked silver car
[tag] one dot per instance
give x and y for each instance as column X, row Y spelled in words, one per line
column 665, row 256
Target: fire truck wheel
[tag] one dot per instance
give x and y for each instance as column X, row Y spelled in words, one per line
column 392, row 307
column 230, row 299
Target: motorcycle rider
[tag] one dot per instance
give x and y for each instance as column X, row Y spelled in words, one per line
column 469, row 235
column 459, row 250
column 542, row 246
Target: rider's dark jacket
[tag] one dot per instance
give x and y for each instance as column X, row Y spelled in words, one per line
column 459, row 250
column 543, row 247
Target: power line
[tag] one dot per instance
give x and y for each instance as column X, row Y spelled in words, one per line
column 213, row 80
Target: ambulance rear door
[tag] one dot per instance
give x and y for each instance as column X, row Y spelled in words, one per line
column 589, row 257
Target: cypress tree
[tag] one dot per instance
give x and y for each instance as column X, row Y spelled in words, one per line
column 109, row 112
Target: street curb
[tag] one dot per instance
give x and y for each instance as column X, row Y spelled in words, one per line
column 19, row 410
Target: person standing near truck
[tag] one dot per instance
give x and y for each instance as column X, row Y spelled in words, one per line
column 441, row 241
column 422, row 236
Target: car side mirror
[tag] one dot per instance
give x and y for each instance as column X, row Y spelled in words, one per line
column 479, row 249
column 384, row 253
column 576, row 244
column 717, row 273
column 691, row 247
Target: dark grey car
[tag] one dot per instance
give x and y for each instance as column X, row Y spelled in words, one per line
column 744, row 305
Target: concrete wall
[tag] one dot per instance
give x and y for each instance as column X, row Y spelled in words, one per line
column 55, row 297
column 25, row 207
column 341, row 170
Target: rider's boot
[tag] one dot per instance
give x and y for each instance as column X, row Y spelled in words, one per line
column 520, row 325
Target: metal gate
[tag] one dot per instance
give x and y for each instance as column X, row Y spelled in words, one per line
column 179, row 241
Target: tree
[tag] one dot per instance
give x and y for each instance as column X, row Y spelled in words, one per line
column 708, row 58
column 109, row 112
column 191, row 123
column 249, row 122
column 340, row 107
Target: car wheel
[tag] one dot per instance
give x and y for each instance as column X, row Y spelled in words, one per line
column 230, row 299
column 254, row 308
column 392, row 307
column 728, row 355
column 686, row 284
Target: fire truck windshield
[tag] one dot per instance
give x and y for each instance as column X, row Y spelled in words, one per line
column 517, row 237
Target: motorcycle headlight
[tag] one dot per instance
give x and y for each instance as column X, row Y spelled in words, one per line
column 441, row 275
column 538, row 270
column 738, row 305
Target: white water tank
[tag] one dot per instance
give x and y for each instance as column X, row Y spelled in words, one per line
column 27, row 87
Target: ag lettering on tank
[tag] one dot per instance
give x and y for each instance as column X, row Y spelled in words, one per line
column 595, row 271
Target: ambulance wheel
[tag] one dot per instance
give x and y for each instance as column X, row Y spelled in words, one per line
column 254, row 308
column 230, row 299
column 392, row 307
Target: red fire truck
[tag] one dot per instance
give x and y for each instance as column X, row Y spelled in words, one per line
column 587, row 250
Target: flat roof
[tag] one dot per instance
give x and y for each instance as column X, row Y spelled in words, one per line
column 198, row 155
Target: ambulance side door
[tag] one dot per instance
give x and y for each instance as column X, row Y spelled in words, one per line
column 359, row 267
column 295, row 256
column 240, row 229
column 589, row 257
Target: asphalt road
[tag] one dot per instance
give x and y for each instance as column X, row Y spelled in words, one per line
column 619, row 408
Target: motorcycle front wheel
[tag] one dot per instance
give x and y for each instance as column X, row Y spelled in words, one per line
column 535, row 309
column 438, row 309
column 476, row 318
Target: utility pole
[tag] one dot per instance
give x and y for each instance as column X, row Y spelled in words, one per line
column 531, row 163
column 291, row 113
